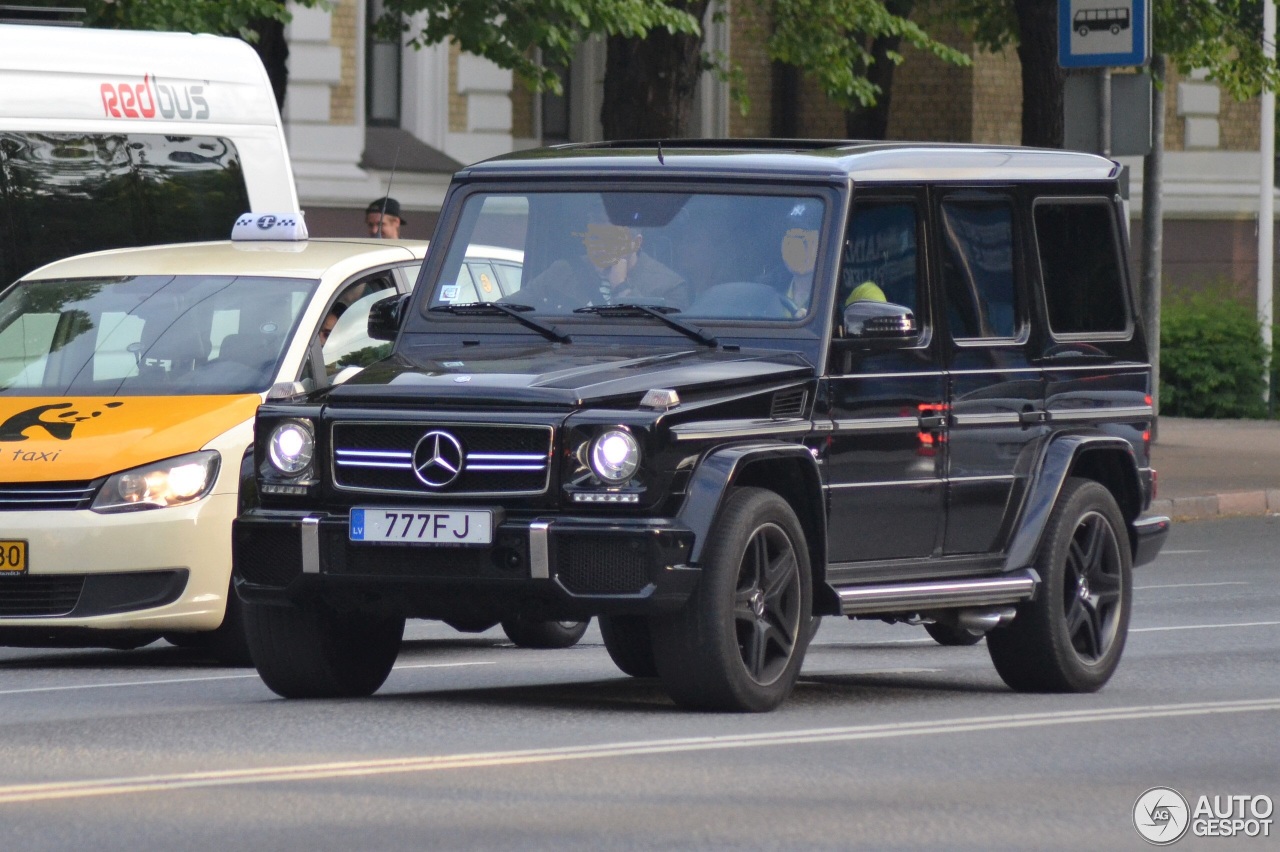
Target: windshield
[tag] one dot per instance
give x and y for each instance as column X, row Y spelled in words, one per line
column 150, row 335
column 710, row 256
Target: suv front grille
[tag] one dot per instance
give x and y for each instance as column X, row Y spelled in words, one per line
column 36, row 496
column 473, row 459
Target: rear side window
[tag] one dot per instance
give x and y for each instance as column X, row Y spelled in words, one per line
column 67, row 193
column 1080, row 267
column 977, row 269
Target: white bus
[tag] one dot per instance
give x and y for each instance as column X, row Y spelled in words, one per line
column 112, row 138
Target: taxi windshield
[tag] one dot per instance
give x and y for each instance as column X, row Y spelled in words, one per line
column 708, row 256
column 147, row 335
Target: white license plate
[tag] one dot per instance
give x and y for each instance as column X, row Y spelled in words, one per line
column 422, row 526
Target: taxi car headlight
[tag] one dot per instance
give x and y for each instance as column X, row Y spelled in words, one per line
column 291, row 447
column 614, row 456
column 172, row 482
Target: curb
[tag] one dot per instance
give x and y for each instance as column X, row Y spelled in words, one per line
column 1232, row 504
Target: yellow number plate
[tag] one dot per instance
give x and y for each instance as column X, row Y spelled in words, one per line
column 13, row 557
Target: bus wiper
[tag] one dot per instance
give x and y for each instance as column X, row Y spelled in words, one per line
column 516, row 312
column 658, row 312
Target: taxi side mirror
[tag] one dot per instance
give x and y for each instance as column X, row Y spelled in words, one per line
column 879, row 321
column 385, row 316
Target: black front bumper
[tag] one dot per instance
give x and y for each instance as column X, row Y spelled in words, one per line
column 553, row 566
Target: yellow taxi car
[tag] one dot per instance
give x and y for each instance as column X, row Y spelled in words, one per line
column 128, row 385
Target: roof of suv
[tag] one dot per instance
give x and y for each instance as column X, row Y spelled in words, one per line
column 867, row 161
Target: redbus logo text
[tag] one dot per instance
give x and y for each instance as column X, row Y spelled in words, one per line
column 146, row 99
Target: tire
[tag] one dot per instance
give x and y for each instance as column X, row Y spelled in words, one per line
column 1083, row 31
column 629, row 642
column 739, row 642
column 951, row 635
column 1115, row 29
column 1069, row 638
column 544, row 634
column 310, row 651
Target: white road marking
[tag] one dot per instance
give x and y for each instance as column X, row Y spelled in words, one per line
column 1203, row 626
column 58, row 790
column 171, row 680
column 1193, row 585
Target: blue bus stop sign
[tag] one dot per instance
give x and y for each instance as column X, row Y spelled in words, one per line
column 1103, row 33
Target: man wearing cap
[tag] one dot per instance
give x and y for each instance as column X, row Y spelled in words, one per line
column 383, row 218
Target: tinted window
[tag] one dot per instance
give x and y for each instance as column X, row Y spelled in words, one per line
column 66, row 193
column 1080, row 267
column 977, row 269
column 709, row 255
column 880, row 254
column 150, row 335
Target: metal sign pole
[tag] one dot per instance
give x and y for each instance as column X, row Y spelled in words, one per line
column 1266, row 197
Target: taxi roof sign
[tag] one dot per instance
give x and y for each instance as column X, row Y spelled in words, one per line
column 269, row 226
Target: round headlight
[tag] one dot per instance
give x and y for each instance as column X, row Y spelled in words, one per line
column 615, row 457
column 291, row 447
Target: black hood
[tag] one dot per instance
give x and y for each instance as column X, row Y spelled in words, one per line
column 560, row 376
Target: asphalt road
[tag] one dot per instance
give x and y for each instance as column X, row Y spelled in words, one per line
column 890, row 741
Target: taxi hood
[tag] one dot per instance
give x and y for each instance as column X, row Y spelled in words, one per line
column 71, row 439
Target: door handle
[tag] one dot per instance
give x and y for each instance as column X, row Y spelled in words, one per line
column 933, row 415
column 1032, row 417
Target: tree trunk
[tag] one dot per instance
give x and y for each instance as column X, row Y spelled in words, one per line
column 1042, row 79
column 649, row 83
column 873, row 122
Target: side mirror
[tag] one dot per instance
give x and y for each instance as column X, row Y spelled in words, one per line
column 385, row 317
column 879, row 321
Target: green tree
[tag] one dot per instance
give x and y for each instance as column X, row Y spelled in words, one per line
column 655, row 47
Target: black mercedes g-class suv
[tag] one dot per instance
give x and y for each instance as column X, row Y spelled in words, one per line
column 733, row 386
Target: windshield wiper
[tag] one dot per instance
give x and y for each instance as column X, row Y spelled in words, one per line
column 658, row 312
column 516, row 312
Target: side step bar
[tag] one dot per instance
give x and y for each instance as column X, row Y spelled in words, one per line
column 945, row 594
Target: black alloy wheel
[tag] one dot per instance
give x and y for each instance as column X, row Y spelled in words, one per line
column 1069, row 638
column 740, row 640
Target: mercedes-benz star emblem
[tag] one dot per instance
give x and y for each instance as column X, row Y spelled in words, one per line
column 437, row 459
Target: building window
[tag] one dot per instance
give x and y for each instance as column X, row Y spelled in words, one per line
column 555, row 110
column 383, row 60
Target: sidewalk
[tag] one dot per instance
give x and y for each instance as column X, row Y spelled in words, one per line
column 1213, row 468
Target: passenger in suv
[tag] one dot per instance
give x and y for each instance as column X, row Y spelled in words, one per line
column 966, row 447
